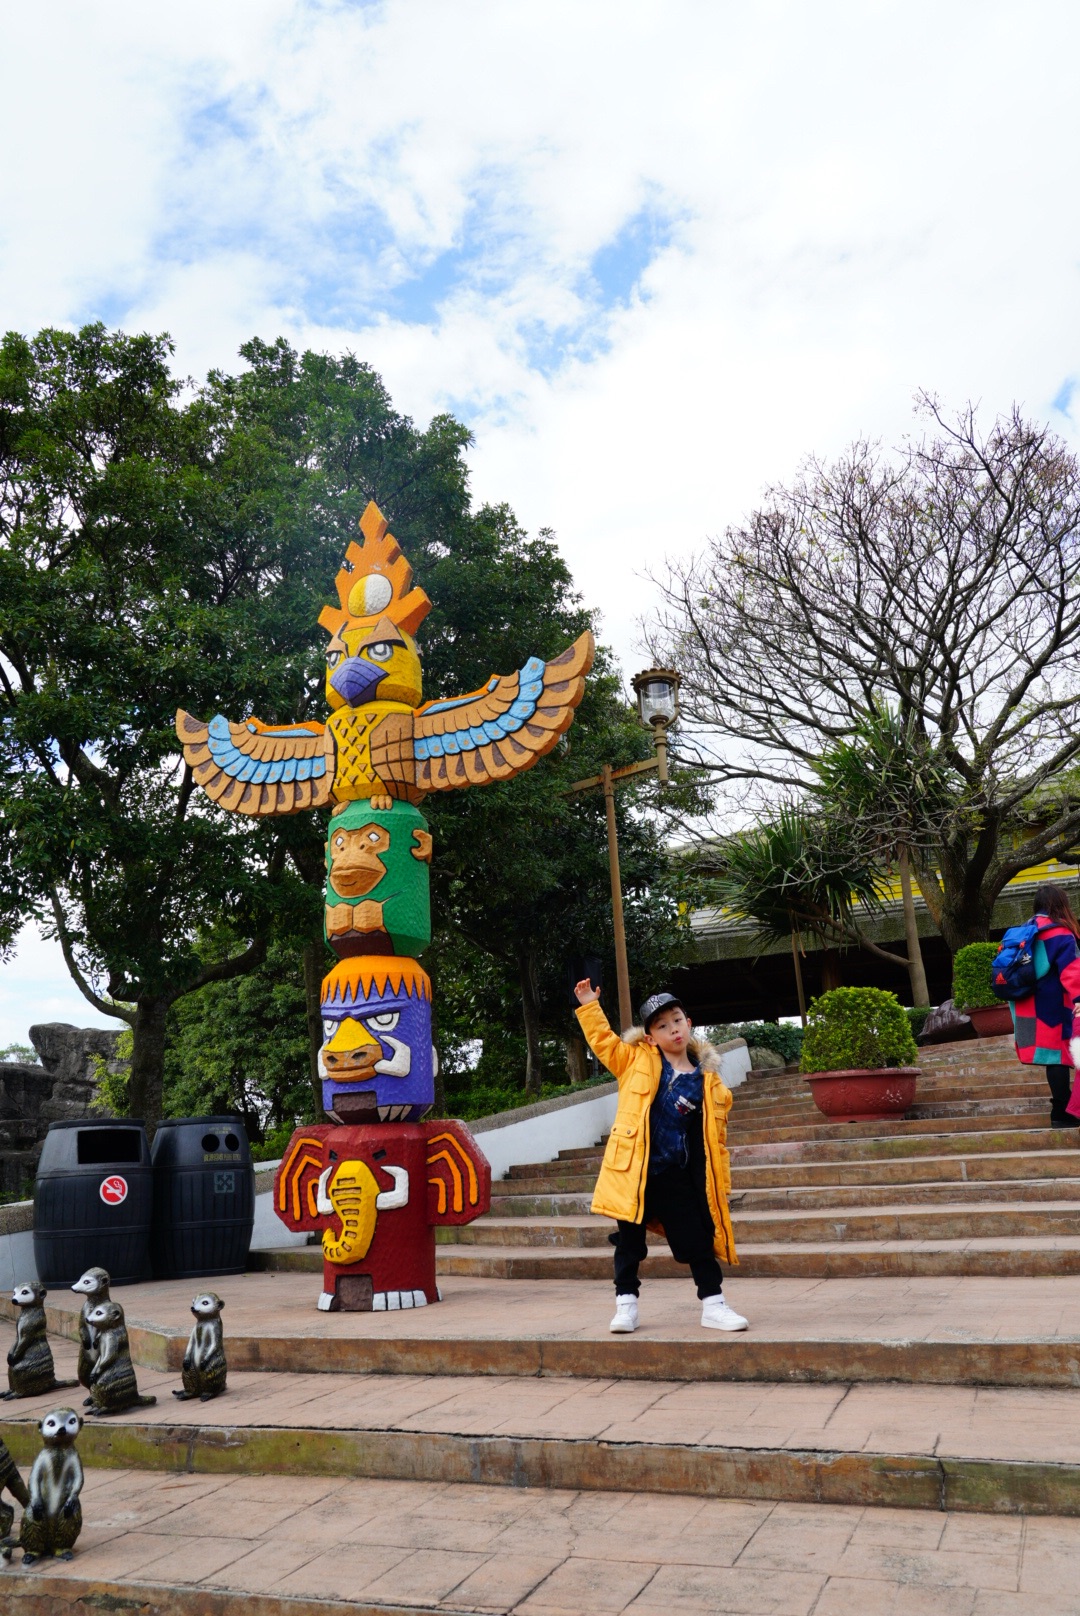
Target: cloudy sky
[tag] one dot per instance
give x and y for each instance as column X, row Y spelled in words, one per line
column 653, row 254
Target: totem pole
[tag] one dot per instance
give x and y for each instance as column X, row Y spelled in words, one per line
column 377, row 1178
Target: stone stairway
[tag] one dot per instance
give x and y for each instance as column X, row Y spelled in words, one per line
column 460, row 1457
column 972, row 1181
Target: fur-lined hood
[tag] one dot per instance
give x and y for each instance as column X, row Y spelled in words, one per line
column 700, row 1050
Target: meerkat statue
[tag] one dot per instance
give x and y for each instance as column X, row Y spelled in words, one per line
column 52, row 1516
column 30, row 1362
column 15, row 1485
column 93, row 1287
column 204, row 1364
column 112, row 1379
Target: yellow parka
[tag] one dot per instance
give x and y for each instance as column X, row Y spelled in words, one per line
column 636, row 1065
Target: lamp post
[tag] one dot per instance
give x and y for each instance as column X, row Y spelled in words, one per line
column 657, row 691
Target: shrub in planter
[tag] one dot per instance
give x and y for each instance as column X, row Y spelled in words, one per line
column 782, row 1040
column 971, row 988
column 863, row 1028
column 973, row 994
column 917, row 1015
column 859, row 1055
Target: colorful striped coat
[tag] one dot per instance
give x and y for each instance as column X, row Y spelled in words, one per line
column 1043, row 1021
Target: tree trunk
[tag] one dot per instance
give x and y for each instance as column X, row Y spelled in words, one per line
column 966, row 918
column 830, row 969
column 314, row 959
column 530, row 1009
column 146, row 1082
column 798, row 976
column 920, row 993
column 577, row 1061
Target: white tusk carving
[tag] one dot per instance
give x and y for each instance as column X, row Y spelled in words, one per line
column 400, row 1065
column 399, row 1195
column 322, row 1200
column 434, row 1061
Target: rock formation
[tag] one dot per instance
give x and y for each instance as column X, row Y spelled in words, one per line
column 32, row 1096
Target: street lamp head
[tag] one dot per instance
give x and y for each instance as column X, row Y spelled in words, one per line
column 657, row 691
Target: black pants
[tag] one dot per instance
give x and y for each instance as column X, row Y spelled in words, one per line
column 1060, row 1079
column 673, row 1199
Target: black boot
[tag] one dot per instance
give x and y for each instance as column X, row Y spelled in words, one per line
column 1060, row 1080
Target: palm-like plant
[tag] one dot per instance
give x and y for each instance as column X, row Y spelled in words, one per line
column 799, row 872
column 891, row 792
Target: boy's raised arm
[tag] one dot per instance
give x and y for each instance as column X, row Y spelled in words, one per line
column 608, row 1048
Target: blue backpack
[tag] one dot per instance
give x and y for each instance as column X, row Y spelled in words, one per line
column 1012, row 974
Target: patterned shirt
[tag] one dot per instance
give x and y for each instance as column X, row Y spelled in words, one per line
column 677, row 1099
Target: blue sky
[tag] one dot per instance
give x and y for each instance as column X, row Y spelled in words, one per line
column 654, row 254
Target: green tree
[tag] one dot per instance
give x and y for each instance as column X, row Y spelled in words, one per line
column 157, row 551
column 799, row 872
column 161, row 549
column 520, row 871
column 889, row 793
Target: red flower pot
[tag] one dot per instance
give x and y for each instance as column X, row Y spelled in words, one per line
column 864, row 1095
column 991, row 1021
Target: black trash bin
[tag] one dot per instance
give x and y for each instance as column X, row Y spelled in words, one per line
column 93, row 1196
column 204, row 1197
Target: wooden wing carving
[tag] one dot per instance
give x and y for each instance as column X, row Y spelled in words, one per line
column 459, row 1174
column 502, row 729
column 259, row 769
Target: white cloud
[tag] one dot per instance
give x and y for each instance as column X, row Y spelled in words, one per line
column 35, row 987
column 861, row 199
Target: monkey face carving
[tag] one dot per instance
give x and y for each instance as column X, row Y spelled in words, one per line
column 355, row 864
column 377, row 898
column 376, row 1059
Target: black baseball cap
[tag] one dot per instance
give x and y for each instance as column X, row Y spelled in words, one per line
column 654, row 1004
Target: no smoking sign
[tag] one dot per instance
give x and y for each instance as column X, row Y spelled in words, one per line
column 113, row 1189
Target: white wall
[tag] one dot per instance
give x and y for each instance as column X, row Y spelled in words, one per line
column 573, row 1125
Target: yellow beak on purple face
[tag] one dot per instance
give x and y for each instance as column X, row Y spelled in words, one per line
column 352, row 1051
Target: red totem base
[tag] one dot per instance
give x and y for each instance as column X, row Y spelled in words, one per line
column 377, row 1191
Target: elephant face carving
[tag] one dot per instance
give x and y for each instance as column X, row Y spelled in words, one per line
column 349, row 1191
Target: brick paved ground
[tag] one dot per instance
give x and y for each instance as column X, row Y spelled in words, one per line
column 553, row 1553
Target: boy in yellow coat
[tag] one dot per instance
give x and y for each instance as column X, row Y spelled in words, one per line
column 666, row 1162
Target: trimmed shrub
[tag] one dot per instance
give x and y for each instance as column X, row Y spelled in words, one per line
column 971, row 988
column 848, row 1028
column 783, row 1041
column 917, row 1015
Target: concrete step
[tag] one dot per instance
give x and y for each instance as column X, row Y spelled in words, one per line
column 978, row 1119
column 555, row 1177
column 878, row 1445
column 1025, row 1081
column 843, row 1258
column 918, row 1331
column 809, row 1198
column 572, row 1232
column 955, row 1139
column 758, row 1539
column 888, row 1221
column 1016, row 1191
column 1042, row 1165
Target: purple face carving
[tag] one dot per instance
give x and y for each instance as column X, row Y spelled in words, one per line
column 377, row 1060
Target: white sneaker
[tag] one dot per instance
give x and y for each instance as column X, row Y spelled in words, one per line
column 626, row 1316
column 716, row 1315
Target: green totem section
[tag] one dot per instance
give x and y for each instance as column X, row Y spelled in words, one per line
column 377, row 894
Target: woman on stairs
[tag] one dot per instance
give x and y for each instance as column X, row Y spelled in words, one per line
column 1043, row 1021
column 666, row 1162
